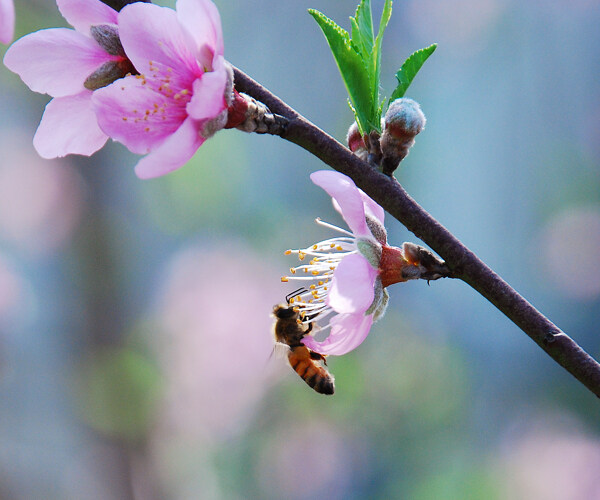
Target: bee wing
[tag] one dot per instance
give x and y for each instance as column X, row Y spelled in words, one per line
column 280, row 350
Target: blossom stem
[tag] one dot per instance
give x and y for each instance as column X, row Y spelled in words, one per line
column 463, row 263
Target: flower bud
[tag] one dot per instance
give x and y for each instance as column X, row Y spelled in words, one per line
column 403, row 121
column 356, row 142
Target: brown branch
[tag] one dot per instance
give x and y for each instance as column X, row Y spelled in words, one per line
column 464, row 264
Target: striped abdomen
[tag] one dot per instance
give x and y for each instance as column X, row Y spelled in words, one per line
column 303, row 361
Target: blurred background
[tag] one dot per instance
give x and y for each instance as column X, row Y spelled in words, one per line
column 135, row 336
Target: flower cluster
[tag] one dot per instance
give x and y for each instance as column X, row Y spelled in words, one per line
column 347, row 275
column 150, row 77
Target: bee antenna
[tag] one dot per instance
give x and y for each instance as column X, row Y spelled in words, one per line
column 295, row 293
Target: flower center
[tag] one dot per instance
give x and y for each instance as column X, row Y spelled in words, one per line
column 317, row 273
column 167, row 107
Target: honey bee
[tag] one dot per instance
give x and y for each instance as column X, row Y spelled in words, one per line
column 290, row 331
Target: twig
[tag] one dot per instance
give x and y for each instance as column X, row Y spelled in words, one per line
column 464, row 264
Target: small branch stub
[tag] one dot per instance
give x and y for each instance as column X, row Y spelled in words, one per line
column 249, row 115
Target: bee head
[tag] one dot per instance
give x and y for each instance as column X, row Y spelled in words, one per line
column 284, row 312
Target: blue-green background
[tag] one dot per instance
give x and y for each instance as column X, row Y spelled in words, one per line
column 134, row 331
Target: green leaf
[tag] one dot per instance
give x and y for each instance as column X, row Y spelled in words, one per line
column 409, row 70
column 356, row 75
column 359, row 58
column 362, row 30
column 385, row 18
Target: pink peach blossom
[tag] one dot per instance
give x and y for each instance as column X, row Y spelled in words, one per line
column 179, row 98
column 7, row 21
column 348, row 275
column 344, row 271
column 58, row 61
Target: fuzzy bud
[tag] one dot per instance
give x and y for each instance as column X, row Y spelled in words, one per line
column 377, row 229
column 107, row 36
column 108, row 73
column 403, row 121
column 356, row 142
column 370, row 250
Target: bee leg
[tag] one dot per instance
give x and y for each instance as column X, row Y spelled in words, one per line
column 318, row 357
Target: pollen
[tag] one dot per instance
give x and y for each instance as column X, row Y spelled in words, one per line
column 314, row 247
column 124, row 118
column 292, row 270
column 312, row 287
column 315, row 273
column 287, row 252
column 301, row 255
column 284, row 279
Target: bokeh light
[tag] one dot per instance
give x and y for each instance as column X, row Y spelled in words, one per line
column 570, row 245
column 41, row 201
column 550, row 456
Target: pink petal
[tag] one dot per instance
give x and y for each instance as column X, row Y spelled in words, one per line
column 173, row 153
column 208, row 98
column 158, row 46
column 352, row 286
column 343, row 190
column 69, row 126
column 201, row 18
column 81, row 14
column 371, row 207
column 7, row 21
column 137, row 116
column 55, row 61
column 348, row 331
